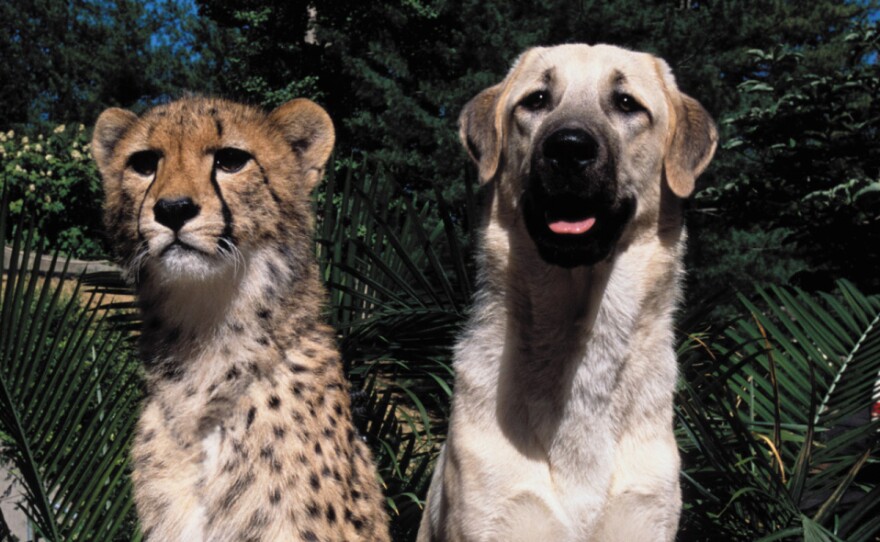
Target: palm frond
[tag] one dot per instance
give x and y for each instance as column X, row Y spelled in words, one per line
column 399, row 283
column 775, row 428
column 5, row 531
column 68, row 394
column 403, row 455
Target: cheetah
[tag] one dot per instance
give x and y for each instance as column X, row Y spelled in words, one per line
column 245, row 432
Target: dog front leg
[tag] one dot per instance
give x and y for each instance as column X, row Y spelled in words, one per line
column 645, row 499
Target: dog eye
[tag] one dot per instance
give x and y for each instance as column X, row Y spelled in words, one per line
column 627, row 103
column 535, row 101
column 230, row 160
column 144, row 162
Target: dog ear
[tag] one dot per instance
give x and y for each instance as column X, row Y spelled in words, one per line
column 309, row 132
column 691, row 144
column 110, row 128
column 479, row 129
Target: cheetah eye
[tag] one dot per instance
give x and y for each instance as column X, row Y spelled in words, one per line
column 144, row 162
column 535, row 101
column 230, row 160
column 627, row 104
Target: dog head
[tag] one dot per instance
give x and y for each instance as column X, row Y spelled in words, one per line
column 581, row 141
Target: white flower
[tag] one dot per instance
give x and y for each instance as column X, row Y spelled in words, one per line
column 24, row 140
column 38, row 148
column 48, row 198
column 75, row 154
column 58, row 129
column 10, row 134
column 81, row 127
column 32, row 187
column 18, row 169
column 49, row 157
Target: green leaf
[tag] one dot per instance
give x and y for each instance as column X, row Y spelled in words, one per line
column 68, row 398
column 775, row 422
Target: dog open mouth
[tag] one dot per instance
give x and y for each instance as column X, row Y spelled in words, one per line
column 570, row 229
column 569, row 216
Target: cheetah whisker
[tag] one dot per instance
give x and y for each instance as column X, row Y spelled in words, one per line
column 229, row 252
column 136, row 264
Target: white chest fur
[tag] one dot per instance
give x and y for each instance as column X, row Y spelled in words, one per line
column 541, row 387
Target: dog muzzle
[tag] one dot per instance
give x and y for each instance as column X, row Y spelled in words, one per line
column 571, row 204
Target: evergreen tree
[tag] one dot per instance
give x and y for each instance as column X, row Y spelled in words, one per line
column 66, row 61
column 395, row 74
column 800, row 188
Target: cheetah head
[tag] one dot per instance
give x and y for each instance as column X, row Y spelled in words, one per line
column 195, row 186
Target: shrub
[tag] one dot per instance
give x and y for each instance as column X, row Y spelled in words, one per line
column 53, row 176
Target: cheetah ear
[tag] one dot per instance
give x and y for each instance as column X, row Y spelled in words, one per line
column 110, row 128
column 479, row 131
column 692, row 144
column 309, row 132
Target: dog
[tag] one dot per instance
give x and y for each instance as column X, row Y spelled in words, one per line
column 562, row 416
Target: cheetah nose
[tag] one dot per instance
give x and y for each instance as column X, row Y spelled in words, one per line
column 174, row 213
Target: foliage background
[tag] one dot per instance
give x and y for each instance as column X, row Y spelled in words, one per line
column 790, row 201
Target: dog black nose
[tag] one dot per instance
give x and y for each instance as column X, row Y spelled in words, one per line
column 570, row 149
column 174, row 213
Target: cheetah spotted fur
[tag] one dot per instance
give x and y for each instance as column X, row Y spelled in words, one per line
column 246, row 431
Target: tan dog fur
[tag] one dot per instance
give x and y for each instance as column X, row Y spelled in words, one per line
column 561, row 426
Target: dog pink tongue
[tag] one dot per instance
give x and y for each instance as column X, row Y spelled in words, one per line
column 571, row 228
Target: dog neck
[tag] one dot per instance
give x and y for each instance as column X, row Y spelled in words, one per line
column 556, row 335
